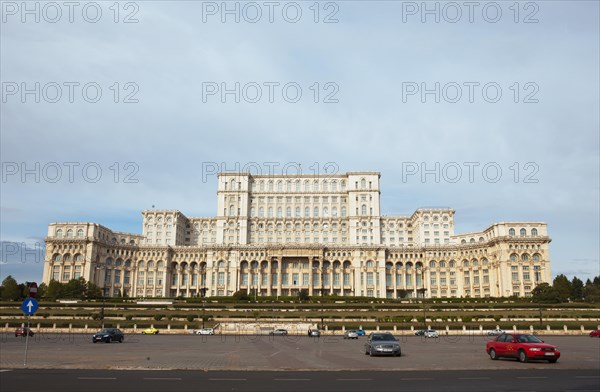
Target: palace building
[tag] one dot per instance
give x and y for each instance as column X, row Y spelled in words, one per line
column 276, row 235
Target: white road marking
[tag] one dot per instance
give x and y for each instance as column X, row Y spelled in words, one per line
column 587, row 376
column 5, row 370
column 525, row 378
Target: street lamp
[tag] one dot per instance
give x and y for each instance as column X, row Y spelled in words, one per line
column 102, row 308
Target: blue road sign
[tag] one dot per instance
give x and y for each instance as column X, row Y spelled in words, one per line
column 29, row 306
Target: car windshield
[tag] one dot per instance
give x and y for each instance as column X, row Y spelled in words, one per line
column 528, row 339
column 105, row 330
column 382, row 338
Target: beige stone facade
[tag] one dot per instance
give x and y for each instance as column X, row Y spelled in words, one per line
column 277, row 235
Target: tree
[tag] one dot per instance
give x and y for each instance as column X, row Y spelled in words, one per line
column 41, row 291
column 75, row 289
column 576, row 289
column 591, row 291
column 241, row 295
column 562, row 286
column 303, row 295
column 545, row 293
column 54, row 290
column 10, row 289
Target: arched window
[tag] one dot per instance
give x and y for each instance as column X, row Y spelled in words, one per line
column 315, row 186
column 59, row 233
column 524, row 257
column 334, row 212
column 536, row 257
column 279, row 212
column 522, row 232
column 363, row 209
column 325, row 212
column 480, row 239
column 534, row 232
column 511, row 232
column 463, row 241
column 253, row 212
column 150, row 264
column 270, row 186
column 298, row 186
column 334, row 186
column 316, row 212
column 56, row 257
column 270, row 212
column 306, row 186
column 221, row 264
column 288, row 212
column 465, row 263
column 442, row 264
column 343, row 183
column 513, row 257
column 288, row 186
column 472, row 240
column 452, row 264
column 343, row 212
column 261, row 212
column 80, row 233
column 232, row 210
column 432, row 264
column 297, row 212
column 369, row 264
column 279, row 186
column 306, row 212
column 325, row 186
column 70, row 233
column 261, row 186
column 363, row 183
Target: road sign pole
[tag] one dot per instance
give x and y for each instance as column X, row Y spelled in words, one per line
column 26, row 340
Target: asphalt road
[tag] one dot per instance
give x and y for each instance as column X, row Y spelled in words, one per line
column 281, row 353
column 347, row 381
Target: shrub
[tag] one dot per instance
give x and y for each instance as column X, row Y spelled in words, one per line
column 158, row 317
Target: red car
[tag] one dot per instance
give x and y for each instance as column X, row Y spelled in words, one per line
column 523, row 347
column 23, row 332
column 595, row 333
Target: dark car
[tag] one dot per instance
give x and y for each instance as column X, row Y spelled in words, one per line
column 420, row 333
column 108, row 335
column 523, row 347
column 382, row 343
column 23, row 331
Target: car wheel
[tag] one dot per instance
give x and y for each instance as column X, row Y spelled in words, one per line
column 120, row 340
column 93, row 341
column 366, row 352
column 371, row 352
column 493, row 354
column 522, row 356
column 107, row 340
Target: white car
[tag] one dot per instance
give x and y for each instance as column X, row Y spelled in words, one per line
column 431, row 334
column 495, row 332
column 205, row 331
column 350, row 335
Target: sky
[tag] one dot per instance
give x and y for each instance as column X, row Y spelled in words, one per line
column 110, row 108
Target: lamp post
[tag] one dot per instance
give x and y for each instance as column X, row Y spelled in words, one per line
column 102, row 308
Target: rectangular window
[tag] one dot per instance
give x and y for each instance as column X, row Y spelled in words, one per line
column 295, row 279
column 515, row 276
column 245, row 279
column 305, row 280
column 284, row 279
column 264, row 280
column 221, row 278
column 369, row 279
column 346, row 279
column 315, row 279
column 274, row 279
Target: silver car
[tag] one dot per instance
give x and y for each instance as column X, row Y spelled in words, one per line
column 382, row 343
column 279, row 332
column 350, row 334
column 314, row 333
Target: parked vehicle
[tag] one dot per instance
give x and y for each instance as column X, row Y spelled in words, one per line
column 430, row 333
column 523, row 347
column 420, row 333
column 382, row 344
column 495, row 332
column 150, row 331
column 108, row 335
column 595, row 333
column 23, row 332
column 279, row 332
column 314, row 333
column 205, row 331
column 360, row 332
column 350, row 334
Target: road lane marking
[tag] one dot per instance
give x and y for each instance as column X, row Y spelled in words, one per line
column 96, row 378
column 587, row 376
column 473, row 378
column 5, row 370
column 526, row 378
